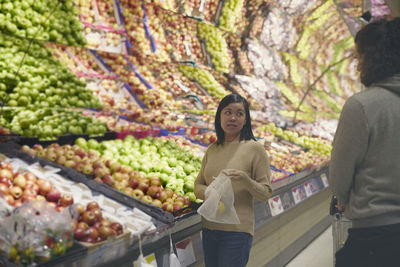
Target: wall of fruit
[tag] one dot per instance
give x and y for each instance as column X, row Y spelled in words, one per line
column 123, row 94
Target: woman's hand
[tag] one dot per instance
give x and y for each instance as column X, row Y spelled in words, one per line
column 236, row 174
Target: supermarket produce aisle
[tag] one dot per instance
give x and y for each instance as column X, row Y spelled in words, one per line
column 318, row 253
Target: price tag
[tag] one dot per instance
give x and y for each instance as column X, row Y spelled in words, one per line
column 296, row 195
column 307, row 187
column 314, row 185
column 275, row 205
column 185, row 251
column 324, row 180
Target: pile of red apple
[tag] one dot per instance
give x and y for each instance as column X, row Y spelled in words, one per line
column 17, row 188
column 151, row 191
column 92, row 227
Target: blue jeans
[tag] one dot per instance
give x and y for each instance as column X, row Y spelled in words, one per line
column 226, row 249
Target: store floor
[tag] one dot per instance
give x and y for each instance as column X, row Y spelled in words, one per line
column 318, row 253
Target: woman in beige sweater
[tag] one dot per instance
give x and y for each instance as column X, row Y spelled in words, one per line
column 242, row 158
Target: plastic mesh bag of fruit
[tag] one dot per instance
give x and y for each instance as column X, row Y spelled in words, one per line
column 37, row 232
column 219, row 203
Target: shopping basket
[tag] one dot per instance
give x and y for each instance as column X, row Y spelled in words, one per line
column 340, row 226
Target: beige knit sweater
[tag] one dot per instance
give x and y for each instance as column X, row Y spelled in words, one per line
column 248, row 156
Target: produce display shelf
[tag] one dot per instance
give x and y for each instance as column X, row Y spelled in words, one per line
column 307, row 218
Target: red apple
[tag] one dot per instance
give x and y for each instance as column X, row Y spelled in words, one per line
column 92, row 232
column 106, row 231
column 83, row 225
column 5, row 165
column 70, row 164
column 133, row 182
column 87, row 169
column 79, row 233
column 89, row 217
column 61, row 160
column 168, row 207
column 157, row 203
column 97, row 179
column 137, row 193
column 32, row 186
column 30, row 177
column 155, row 181
column 153, row 191
column 66, row 200
column 147, row 199
column 162, row 196
column 44, row 186
column 16, row 192
column 107, row 179
column 98, row 163
column 53, row 196
column 98, row 213
column 6, row 181
column 169, row 193
column 4, row 189
column 105, row 222
column 117, row 227
column 177, row 205
column 42, row 198
column 7, row 173
column 92, row 205
column 126, row 169
column 20, row 181
column 143, row 185
column 80, row 208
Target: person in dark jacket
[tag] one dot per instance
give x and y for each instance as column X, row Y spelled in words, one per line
column 364, row 171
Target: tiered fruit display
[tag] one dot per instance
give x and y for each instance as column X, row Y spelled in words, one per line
column 41, row 81
column 92, row 227
column 48, row 124
column 17, row 188
column 43, row 20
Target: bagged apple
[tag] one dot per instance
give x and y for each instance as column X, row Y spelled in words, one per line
column 36, row 232
column 219, row 203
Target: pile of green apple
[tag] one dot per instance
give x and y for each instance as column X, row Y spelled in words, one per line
column 37, row 79
column 176, row 168
column 229, row 13
column 48, row 20
column 317, row 145
column 49, row 124
column 216, row 46
column 205, row 79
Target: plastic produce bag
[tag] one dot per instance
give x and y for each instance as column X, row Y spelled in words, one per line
column 218, row 206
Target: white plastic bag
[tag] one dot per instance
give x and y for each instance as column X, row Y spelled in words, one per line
column 219, row 191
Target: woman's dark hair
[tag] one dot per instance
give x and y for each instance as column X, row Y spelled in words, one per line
column 378, row 45
column 247, row 132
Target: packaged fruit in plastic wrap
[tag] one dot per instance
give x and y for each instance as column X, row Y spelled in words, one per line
column 36, row 232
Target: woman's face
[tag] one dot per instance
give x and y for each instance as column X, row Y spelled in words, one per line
column 233, row 118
